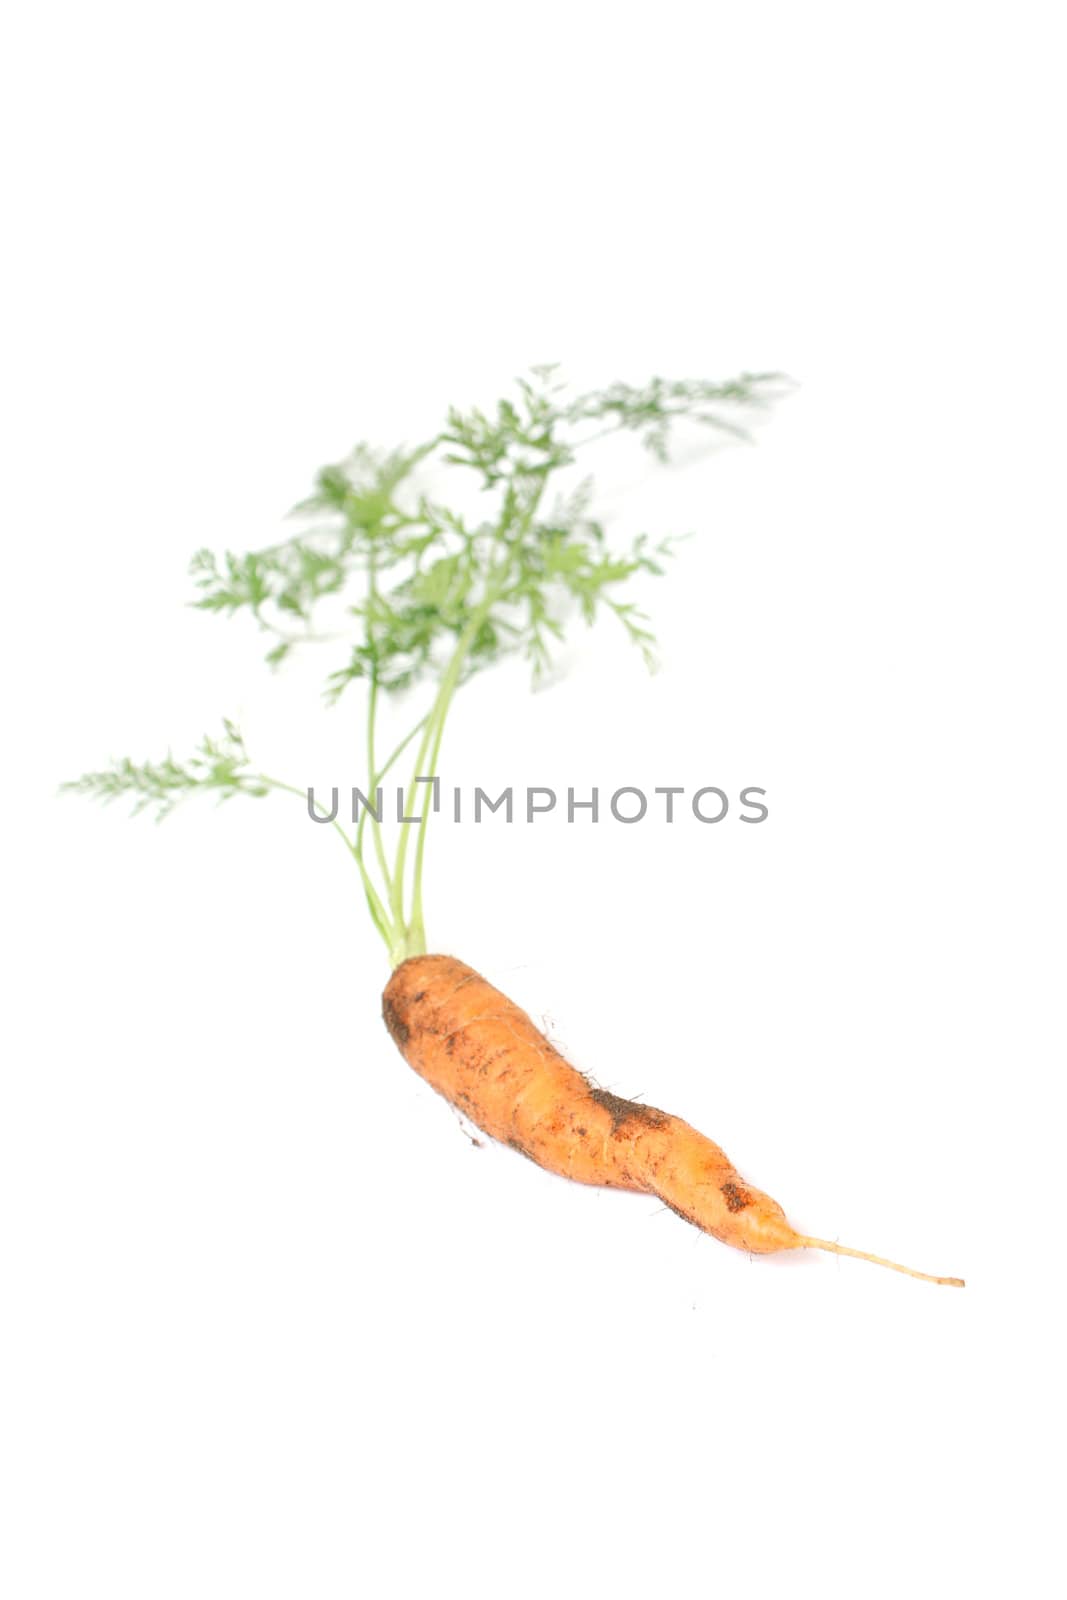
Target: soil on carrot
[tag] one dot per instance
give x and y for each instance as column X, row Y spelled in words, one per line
column 736, row 1198
column 623, row 1111
column 398, row 1028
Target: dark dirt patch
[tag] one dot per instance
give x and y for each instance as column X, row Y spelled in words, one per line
column 736, row 1198
column 625, row 1111
column 398, row 1028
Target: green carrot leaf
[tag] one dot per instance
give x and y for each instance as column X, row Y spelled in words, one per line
column 219, row 765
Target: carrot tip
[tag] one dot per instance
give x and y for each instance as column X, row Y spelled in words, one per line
column 879, row 1261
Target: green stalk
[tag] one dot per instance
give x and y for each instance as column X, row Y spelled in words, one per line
column 414, row 932
column 380, row 774
column 374, row 904
column 372, row 709
column 412, row 939
column 373, row 777
column 416, row 936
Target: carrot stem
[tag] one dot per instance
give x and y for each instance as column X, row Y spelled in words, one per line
column 372, row 710
column 411, row 935
column 879, row 1261
column 377, row 910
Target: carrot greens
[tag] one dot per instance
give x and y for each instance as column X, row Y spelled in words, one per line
column 422, row 593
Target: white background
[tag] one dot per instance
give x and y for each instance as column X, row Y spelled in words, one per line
column 272, row 1326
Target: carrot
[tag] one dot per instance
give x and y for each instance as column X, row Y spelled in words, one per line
column 479, row 1050
column 436, row 595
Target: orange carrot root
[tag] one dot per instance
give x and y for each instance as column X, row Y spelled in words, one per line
column 479, row 1050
